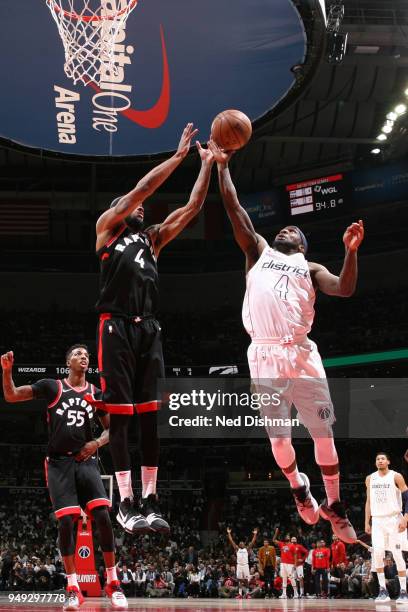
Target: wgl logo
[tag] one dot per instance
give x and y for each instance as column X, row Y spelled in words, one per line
column 325, row 190
column 84, row 552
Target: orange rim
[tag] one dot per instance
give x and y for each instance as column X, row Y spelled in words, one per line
column 54, row 6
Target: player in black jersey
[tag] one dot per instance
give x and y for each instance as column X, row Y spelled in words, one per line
column 130, row 355
column 72, row 473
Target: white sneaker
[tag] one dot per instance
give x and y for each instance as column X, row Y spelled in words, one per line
column 403, row 598
column 74, row 599
column 283, row 596
column 383, row 596
column 306, row 504
column 116, row 595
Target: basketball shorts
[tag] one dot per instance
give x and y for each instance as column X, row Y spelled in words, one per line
column 130, row 361
column 292, row 374
column 299, row 571
column 287, row 570
column 74, row 485
column 243, row 572
column 385, row 534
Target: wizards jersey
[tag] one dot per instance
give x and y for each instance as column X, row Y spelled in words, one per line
column 129, row 278
column 69, row 415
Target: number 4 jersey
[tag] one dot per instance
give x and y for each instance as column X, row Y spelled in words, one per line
column 279, row 299
column 69, row 415
column 129, row 278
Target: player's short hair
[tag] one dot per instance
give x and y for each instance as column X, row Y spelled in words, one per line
column 73, row 347
column 383, row 453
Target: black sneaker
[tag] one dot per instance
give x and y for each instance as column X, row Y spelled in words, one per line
column 337, row 516
column 306, row 504
column 149, row 507
column 130, row 519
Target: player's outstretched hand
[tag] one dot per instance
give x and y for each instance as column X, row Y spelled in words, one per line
column 403, row 524
column 185, row 141
column 7, row 360
column 220, row 156
column 205, row 154
column 353, row 236
column 87, row 451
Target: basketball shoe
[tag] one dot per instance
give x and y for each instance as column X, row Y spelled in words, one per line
column 306, row 504
column 403, row 598
column 337, row 516
column 74, row 599
column 130, row 519
column 116, row 595
column 383, row 596
column 149, row 508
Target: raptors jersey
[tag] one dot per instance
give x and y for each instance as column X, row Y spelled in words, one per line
column 129, row 278
column 279, row 296
column 242, row 556
column 69, row 415
column 385, row 497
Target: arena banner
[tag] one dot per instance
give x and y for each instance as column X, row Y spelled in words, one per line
column 173, row 63
column 380, row 184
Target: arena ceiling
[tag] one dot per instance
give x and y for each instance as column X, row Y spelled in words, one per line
column 333, row 125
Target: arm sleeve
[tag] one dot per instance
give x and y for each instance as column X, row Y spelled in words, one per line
column 46, row 388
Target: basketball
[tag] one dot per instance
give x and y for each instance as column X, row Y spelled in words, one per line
column 231, row 130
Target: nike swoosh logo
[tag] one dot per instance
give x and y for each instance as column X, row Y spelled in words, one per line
column 155, row 116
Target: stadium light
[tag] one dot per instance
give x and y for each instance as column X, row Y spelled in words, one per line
column 406, row 92
column 387, row 129
column 382, row 137
column 392, row 116
column 375, row 151
column 400, row 109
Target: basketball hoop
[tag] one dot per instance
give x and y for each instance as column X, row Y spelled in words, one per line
column 89, row 29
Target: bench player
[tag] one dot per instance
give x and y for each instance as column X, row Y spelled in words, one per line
column 301, row 554
column 72, row 473
column 278, row 313
column 387, row 498
column 129, row 342
column 288, row 562
column 243, row 574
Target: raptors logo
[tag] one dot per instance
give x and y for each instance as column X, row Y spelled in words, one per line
column 84, row 552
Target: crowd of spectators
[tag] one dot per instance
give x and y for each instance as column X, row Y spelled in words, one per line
column 216, row 336
column 192, row 563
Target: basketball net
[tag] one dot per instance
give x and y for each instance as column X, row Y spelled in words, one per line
column 89, row 29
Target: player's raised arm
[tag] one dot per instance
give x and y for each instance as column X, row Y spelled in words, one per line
column 254, row 536
column 147, row 185
column 345, row 284
column 233, row 544
column 275, row 537
column 367, row 527
column 11, row 392
column 163, row 233
column 244, row 233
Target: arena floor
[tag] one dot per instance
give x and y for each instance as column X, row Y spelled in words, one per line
column 216, row 605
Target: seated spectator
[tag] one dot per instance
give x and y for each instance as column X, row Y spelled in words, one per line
column 256, row 587
column 228, row 588
column 126, row 578
column 193, row 588
column 140, row 581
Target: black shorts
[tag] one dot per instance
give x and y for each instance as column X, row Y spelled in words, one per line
column 74, row 485
column 130, row 361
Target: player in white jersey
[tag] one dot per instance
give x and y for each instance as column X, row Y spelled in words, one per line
column 243, row 574
column 278, row 314
column 387, row 498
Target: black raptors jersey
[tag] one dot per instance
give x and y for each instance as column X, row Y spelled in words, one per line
column 129, row 278
column 69, row 415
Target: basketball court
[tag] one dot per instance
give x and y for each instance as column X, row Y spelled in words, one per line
column 215, row 605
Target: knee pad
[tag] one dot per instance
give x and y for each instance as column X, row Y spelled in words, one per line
column 325, row 451
column 378, row 554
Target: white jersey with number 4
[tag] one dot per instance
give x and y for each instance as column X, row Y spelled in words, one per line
column 385, row 497
column 279, row 298
column 242, row 556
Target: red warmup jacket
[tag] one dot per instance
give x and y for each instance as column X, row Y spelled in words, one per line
column 321, row 558
column 338, row 553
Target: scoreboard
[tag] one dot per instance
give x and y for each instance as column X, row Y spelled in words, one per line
column 325, row 195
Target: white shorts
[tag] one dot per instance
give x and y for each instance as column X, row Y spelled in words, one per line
column 243, row 572
column 295, row 372
column 299, row 571
column 385, row 534
column 287, row 570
